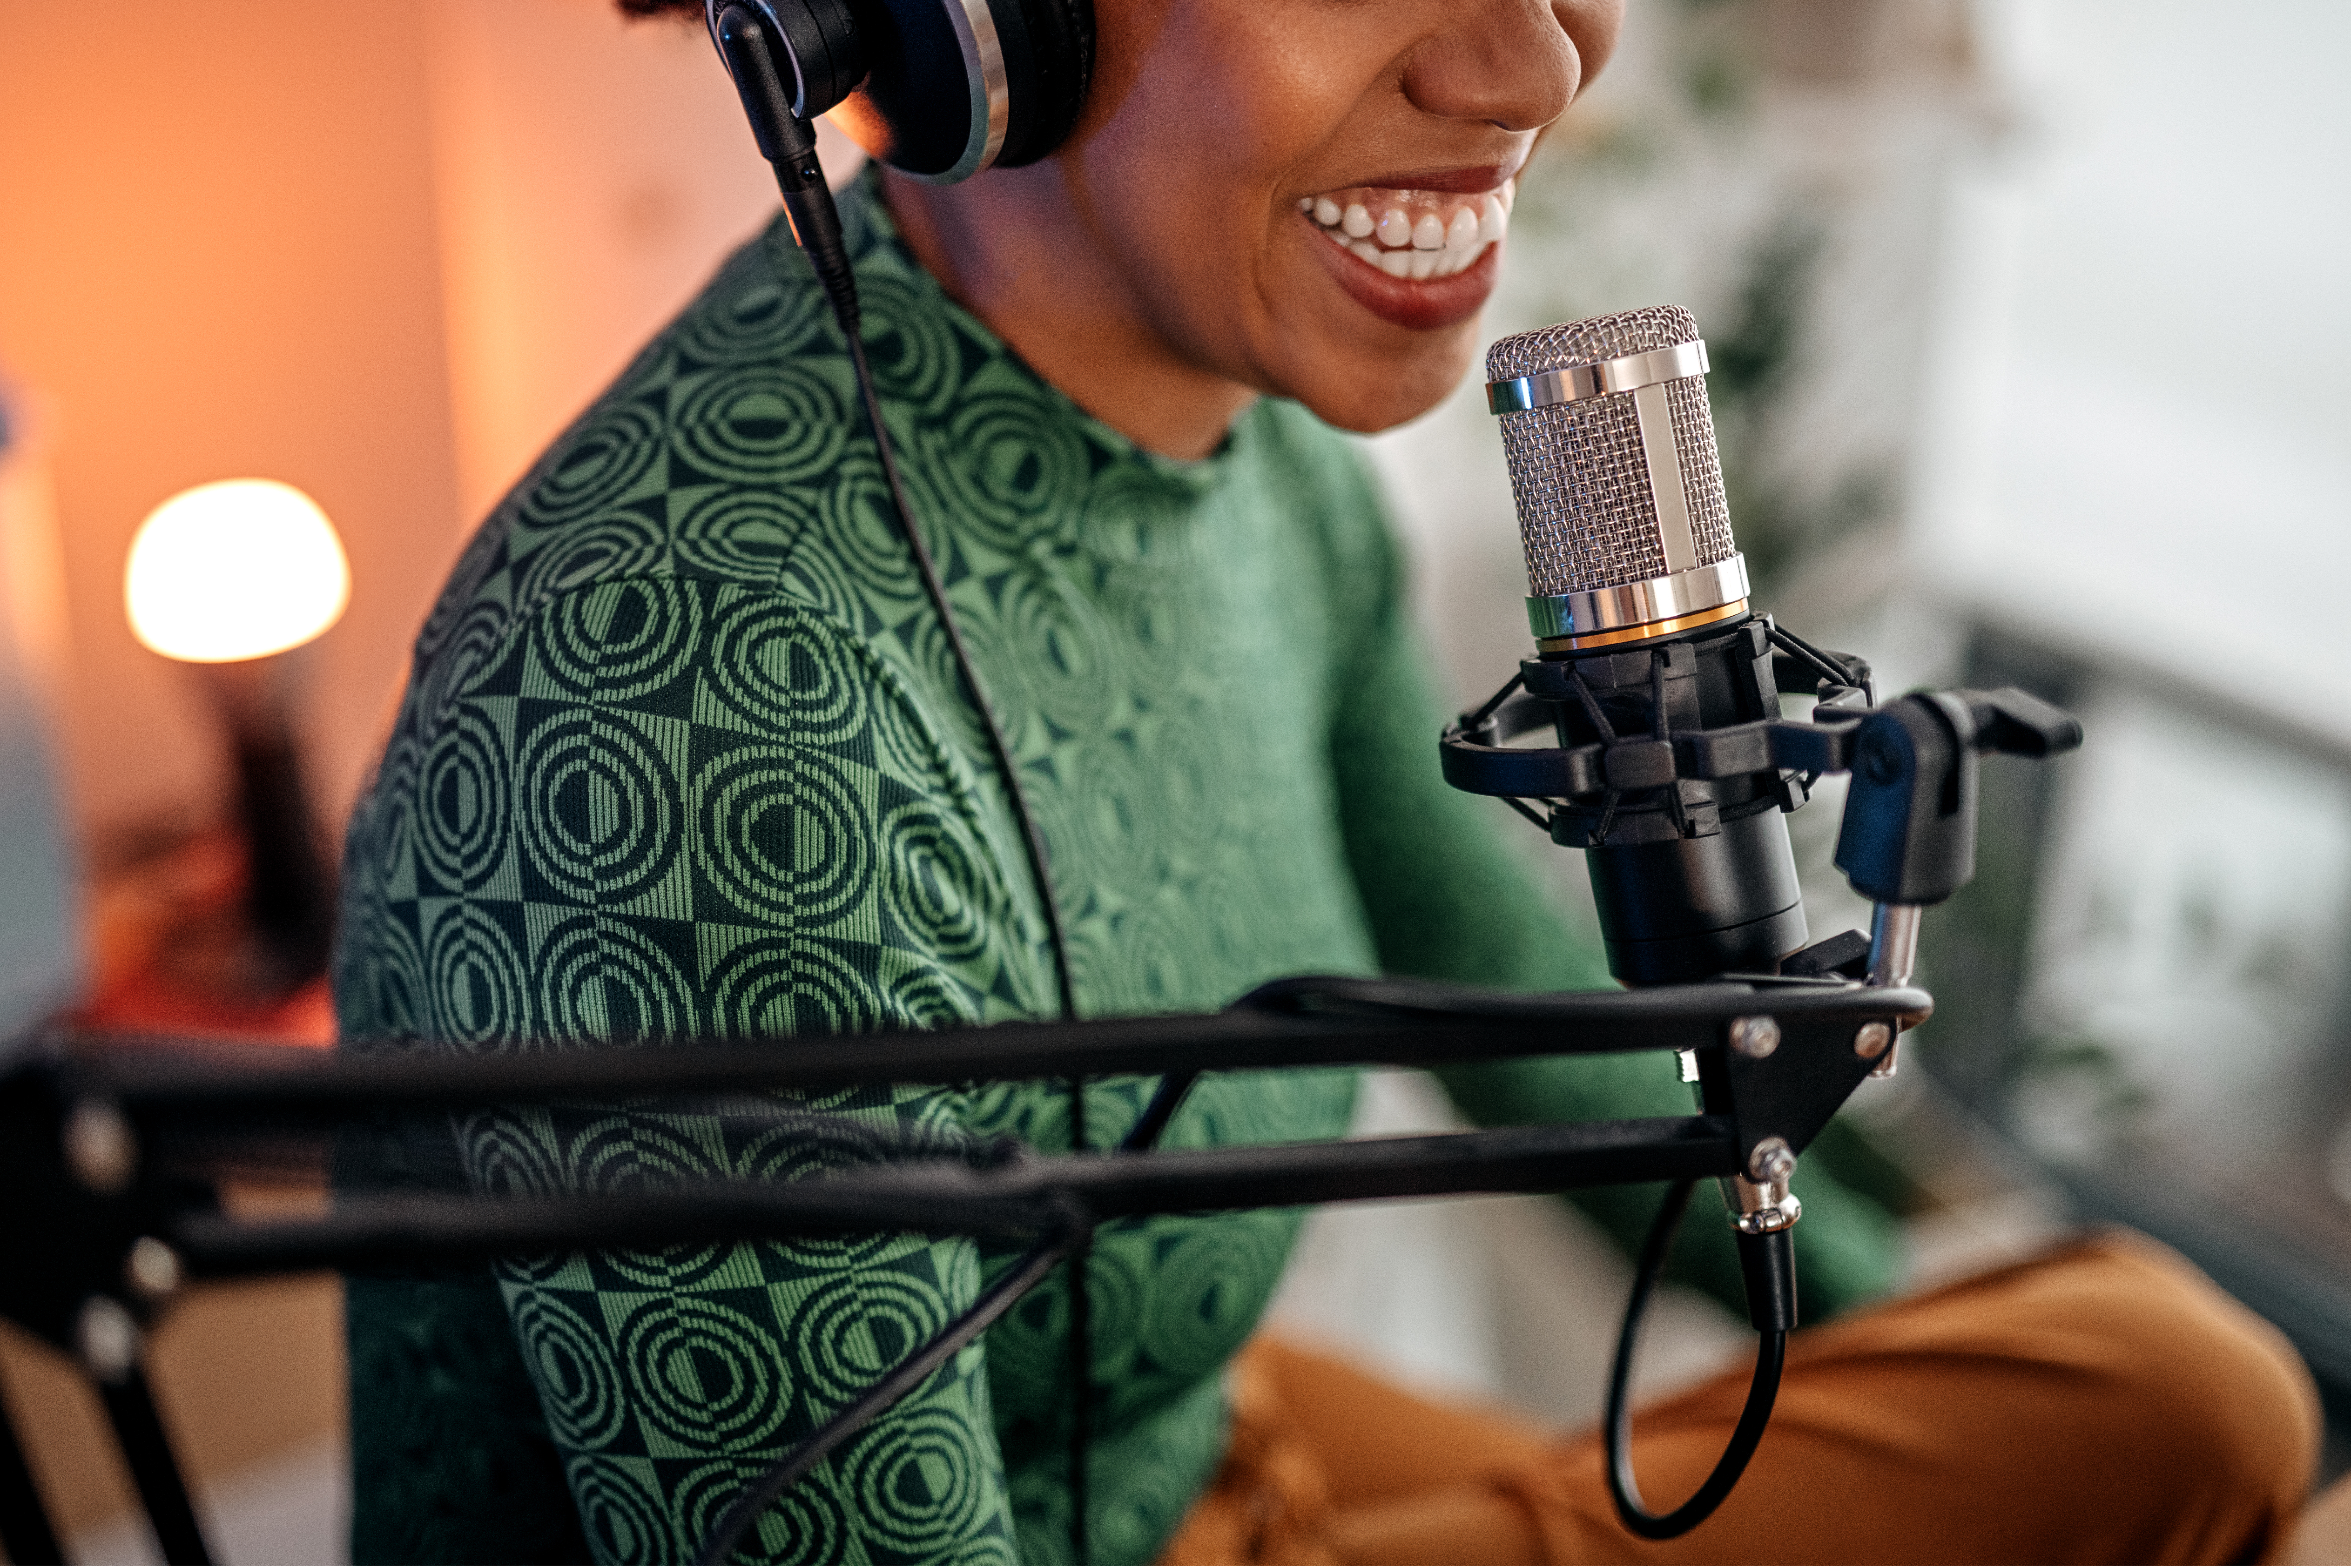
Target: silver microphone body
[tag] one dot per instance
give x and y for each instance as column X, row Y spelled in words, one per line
column 1636, row 587
column 1619, row 488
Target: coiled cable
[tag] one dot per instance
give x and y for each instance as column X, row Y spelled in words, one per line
column 1771, row 1358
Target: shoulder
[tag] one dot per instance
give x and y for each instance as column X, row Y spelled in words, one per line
column 665, row 806
column 720, row 455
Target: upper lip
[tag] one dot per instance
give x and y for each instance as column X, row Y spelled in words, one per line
column 1475, row 180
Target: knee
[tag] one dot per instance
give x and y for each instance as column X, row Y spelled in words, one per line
column 2210, row 1401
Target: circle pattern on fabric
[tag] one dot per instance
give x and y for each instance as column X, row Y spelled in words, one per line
column 464, row 799
column 566, row 1356
column 601, row 979
column 769, row 424
column 473, row 642
column 740, row 536
column 505, row 1156
column 614, row 544
column 931, row 871
column 621, row 640
column 774, row 669
column 806, row 1515
column 383, row 980
column 700, row 1372
column 863, row 545
column 633, row 1153
column 853, row 1331
column 917, row 353
column 927, row 996
column 1011, row 466
column 833, row 989
column 477, row 996
column 485, row 555
column 599, row 817
column 916, row 1490
column 758, row 321
column 384, row 821
column 622, row 1515
column 1067, row 674
column 1119, row 609
column 807, row 1524
column 1209, row 1288
column 598, row 464
column 784, row 1156
column 786, row 838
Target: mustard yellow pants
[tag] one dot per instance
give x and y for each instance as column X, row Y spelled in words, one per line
column 2103, row 1404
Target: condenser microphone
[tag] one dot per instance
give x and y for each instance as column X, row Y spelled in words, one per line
column 1613, row 462
column 1637, row 598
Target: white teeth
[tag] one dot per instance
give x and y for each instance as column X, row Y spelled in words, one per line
column 1509, row 195
column 1493, row 219
column 1410, row 241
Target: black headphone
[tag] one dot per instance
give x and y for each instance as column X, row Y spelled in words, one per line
column 938, row 90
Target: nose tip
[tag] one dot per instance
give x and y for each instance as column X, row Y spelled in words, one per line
column 1510, row 64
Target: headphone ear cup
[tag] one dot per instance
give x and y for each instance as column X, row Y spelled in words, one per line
column 945, row 71
column 1060, row 60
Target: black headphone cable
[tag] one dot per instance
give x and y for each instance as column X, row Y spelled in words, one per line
column 789, row 144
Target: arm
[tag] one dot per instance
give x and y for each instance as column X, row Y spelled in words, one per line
column 662, row 807
column 1450, row 896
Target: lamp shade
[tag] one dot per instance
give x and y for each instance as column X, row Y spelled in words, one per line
column 235, row 569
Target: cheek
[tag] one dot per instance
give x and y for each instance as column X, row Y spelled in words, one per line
column 1208, row 104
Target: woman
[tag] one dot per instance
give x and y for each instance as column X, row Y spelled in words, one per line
column 684, row 752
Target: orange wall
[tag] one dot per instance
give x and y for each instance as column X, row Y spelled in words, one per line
column 383, row 252
column 593, row 172
column 217, row 258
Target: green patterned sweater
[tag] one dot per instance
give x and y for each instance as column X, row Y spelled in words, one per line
column 683, row 752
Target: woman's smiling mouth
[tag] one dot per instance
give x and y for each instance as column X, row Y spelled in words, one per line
column 1419, row 258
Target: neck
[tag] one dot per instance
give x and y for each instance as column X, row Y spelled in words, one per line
column 1017, row 250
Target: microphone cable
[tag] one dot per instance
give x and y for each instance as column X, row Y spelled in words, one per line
column 1031, row 1267
column 1771, row 1359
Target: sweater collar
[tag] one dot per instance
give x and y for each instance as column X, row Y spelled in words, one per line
column 878, row 251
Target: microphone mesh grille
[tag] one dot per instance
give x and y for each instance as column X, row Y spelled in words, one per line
column 1582, row 480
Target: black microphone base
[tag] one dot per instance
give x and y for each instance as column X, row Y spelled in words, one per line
column 1683, row 909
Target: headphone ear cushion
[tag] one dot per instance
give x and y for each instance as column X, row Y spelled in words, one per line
column 1045, row 108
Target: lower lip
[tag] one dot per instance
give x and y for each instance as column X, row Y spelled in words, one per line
column 1424, row 306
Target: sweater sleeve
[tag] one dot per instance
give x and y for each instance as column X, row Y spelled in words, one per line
column 663, row 807
column 1450, row 897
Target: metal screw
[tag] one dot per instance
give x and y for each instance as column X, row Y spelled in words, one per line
column 1756, row 1037
column 1771, row 1161
column 1871, row 1042
column 153, row 1269
column 99, row 1148
column 108, row 1337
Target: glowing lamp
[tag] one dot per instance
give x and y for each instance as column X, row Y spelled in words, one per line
column 225, row 576
column 237, row 569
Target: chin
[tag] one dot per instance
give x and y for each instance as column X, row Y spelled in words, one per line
column 1369, row 393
